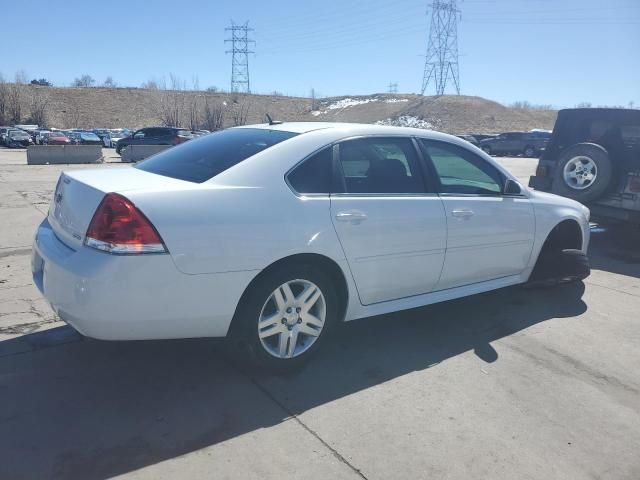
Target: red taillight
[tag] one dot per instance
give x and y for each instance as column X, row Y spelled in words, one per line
column 119, row 227
column 180, row 139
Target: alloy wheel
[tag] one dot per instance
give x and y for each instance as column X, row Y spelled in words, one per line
column 292, row 318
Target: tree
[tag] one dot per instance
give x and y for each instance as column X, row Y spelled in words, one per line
column 109, row 82
column 84, row 81
column 42, row 82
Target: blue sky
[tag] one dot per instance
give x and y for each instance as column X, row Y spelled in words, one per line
column 559, row 52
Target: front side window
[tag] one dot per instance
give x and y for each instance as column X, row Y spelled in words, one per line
column 139, row 134
column 203, row 158
column 314, row 174
column 380, row 166
column 462, row 172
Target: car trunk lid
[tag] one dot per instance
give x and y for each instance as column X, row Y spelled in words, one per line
column 79, row 193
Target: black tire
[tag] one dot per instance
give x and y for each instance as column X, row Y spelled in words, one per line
column 529, row 151
column 487, row 149
column 556, row 267
column 244, row 328
column 599, row 156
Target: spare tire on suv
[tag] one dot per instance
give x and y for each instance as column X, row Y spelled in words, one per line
column 583, row 172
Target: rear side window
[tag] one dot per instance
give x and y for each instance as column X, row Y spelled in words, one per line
column 380, row 166
column 203, row 158
column 314, row 174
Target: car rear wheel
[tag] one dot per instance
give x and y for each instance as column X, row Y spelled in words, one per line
column 285, row 317
column 583, row 172
column 529, row 151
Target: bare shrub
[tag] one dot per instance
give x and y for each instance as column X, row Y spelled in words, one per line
column 14, row 104
column 72, row 114
column 194, row 113
column 38, row 108
column 4, row 100
column 109, row 82
column 240, row 113
column 21, row 77
column 172, row 102
column 83, row 81
column 214, row 113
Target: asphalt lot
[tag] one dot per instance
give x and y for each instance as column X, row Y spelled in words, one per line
column 508, row 384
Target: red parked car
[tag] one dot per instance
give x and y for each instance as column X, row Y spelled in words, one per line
column 57, row 138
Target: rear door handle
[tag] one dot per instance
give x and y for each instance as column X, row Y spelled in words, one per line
column 354, row 216
column 462, row 213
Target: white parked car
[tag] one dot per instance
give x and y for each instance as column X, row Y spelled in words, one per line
column 111, row 138
column 275, row 233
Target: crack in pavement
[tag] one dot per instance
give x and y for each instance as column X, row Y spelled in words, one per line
column 309, row 430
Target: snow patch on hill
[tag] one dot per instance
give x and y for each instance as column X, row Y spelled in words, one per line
column 407, row 121
column 352, row 102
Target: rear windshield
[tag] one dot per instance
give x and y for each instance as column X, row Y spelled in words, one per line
column 203, row 158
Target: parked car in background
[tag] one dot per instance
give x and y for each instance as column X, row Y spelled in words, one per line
column 39, row 136
column 322, row 197
column 3, row 134
column 469, row 138
column 528, row 144
column 199, row 133
column 101, row 133
column 112, row 137
column 155, row 136
column 84, row 138
column 56, row 138
column 18, row 139
column 594, row 157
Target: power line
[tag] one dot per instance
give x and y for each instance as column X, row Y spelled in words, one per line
column 240, row 42
column 441, row 62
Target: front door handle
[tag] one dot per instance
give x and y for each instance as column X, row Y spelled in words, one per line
column 462, row 213
column 354, row 216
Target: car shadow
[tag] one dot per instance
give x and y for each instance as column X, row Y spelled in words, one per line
column 80, row 408
column 616, row 250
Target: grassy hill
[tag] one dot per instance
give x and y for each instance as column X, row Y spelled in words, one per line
column 136, row 107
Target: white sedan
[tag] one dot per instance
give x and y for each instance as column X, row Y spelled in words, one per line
column 274, row 233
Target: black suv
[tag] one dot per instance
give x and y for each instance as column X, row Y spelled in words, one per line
column 155, row 136
column 594, row 157
column 528, row 144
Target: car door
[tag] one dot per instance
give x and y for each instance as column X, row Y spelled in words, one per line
column 489, row 234
column 391, row 225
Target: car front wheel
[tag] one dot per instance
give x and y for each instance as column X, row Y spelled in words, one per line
column 286, row 316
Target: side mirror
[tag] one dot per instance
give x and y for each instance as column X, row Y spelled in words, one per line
column 511, row 187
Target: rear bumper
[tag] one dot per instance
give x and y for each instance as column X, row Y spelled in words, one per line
column 139, row 297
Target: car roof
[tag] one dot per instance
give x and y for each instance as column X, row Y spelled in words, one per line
column 350, row 129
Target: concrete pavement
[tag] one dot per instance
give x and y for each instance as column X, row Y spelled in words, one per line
column 507, row 384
